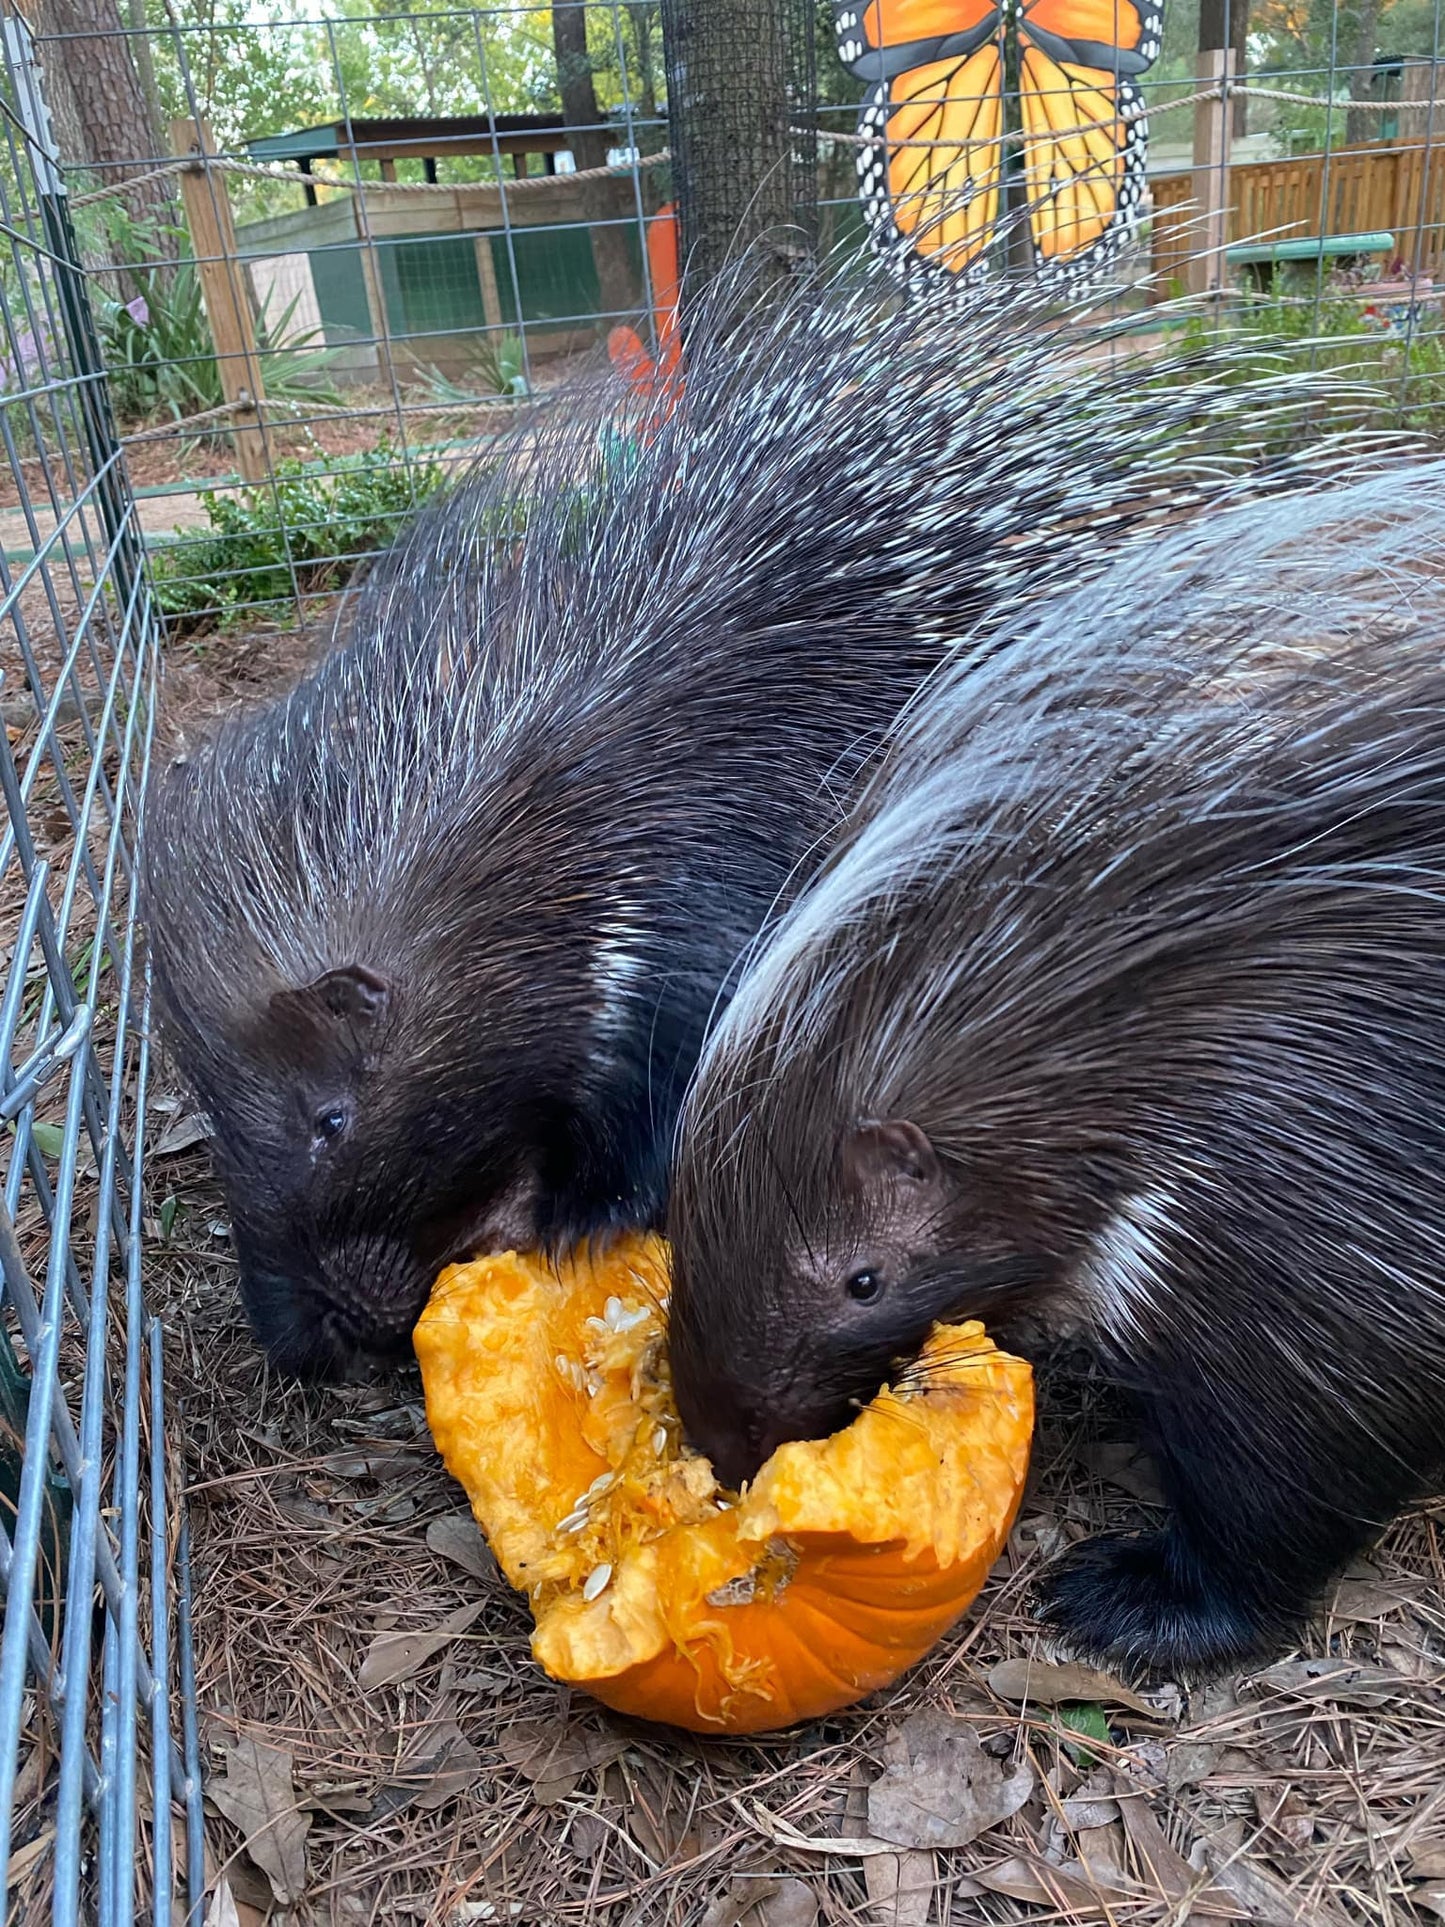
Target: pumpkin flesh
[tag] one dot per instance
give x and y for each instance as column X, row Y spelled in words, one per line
column 663, row 1595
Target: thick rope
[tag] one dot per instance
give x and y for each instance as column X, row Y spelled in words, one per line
column 1228, row 90
column 536, row 183
column 252, row 171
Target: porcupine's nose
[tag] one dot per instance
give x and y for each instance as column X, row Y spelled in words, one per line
column 739, row 1442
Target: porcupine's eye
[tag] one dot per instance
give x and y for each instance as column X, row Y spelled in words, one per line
column 865, row 1287
column 329, row 1124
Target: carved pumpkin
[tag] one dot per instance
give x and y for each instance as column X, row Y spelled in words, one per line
column 659, row 1593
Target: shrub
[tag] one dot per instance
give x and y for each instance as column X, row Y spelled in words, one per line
column 1338, row 334
column 306, row 530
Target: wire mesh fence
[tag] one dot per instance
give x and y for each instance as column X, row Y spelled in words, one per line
column 343, row 311
column 334, row 257
column 91, row 1547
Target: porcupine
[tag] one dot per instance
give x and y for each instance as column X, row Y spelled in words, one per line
column 1119, row 1010
column 435, row 937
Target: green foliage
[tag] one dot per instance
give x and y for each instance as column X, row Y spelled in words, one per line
column 157, row 340
column 256, row 69
column 1086, row 1722
column 311, row 528
column 307, row 529
column 1406, row 373
column 1329, row 47
column 253, row 68
column 497, row 366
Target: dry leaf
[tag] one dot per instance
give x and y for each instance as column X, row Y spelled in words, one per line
column 760, row 1902
column 1366, row 1600
column 1410, row 1662
column 31, row 1854
column 791, row 1903
column 446, row 1767
column 1047, row 1684
column 554, row 1756
column 222, row 1910
column 1427, row 1862
column 1331, row 1679
column 485, row 1684
column 1162, row 1867
column 1282, row 1809
column 1068, row 1888
column 1192, row 1760
column 396, row 1656
column 180, row 1135
column 381, row 1462
column 341, row 1796
column 1091, row 1804
column 727, row 1909
column 1267, row 1900
column 940, row 1789
column 1431, row 1898
column 22, row 1859
column 1100, row 1853
column 251, row 1891
column 458, row 1538
column 258, row 1797
column 900, row 1888
column 1081, row 1813
column 586, row 1836
column 847, row 1846
column 1125, row 1466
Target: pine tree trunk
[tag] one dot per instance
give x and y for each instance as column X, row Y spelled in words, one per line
column 97, row 99
column 728, row 114
column 616, row 277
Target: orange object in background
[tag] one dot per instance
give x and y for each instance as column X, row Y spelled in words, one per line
column 655, row 377
column 659, row 1593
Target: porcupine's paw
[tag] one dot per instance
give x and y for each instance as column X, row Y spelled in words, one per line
column 1143, row 1605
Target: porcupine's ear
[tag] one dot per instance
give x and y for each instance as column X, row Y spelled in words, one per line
column 879, row 1155
column 357, row 996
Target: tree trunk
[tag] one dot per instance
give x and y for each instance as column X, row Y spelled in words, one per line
column 145, row 66
column 98, row 100
column 728, row 114
column 616, row 277
column 1225, row 23
column 1362, row 125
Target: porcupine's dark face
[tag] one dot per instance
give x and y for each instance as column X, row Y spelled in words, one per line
column 350, row 1183
column 782, row 1336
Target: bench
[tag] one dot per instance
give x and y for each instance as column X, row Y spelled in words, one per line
column 1260, row 258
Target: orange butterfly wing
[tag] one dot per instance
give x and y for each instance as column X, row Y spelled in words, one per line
column 1085, row 133
column 945, row 194
column 1127, row 27
column 904, row 23
column 933, row 179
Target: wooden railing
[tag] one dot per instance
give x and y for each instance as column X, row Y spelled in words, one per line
column 1355, row 190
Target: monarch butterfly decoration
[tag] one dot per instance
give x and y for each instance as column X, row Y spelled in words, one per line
column 934, row 173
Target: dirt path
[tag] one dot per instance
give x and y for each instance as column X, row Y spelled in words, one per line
column 160, row 516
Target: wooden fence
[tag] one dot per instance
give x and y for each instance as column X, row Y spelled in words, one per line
column 1377, row 185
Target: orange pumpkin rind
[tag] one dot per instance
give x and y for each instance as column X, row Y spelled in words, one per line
column 662, row 1595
